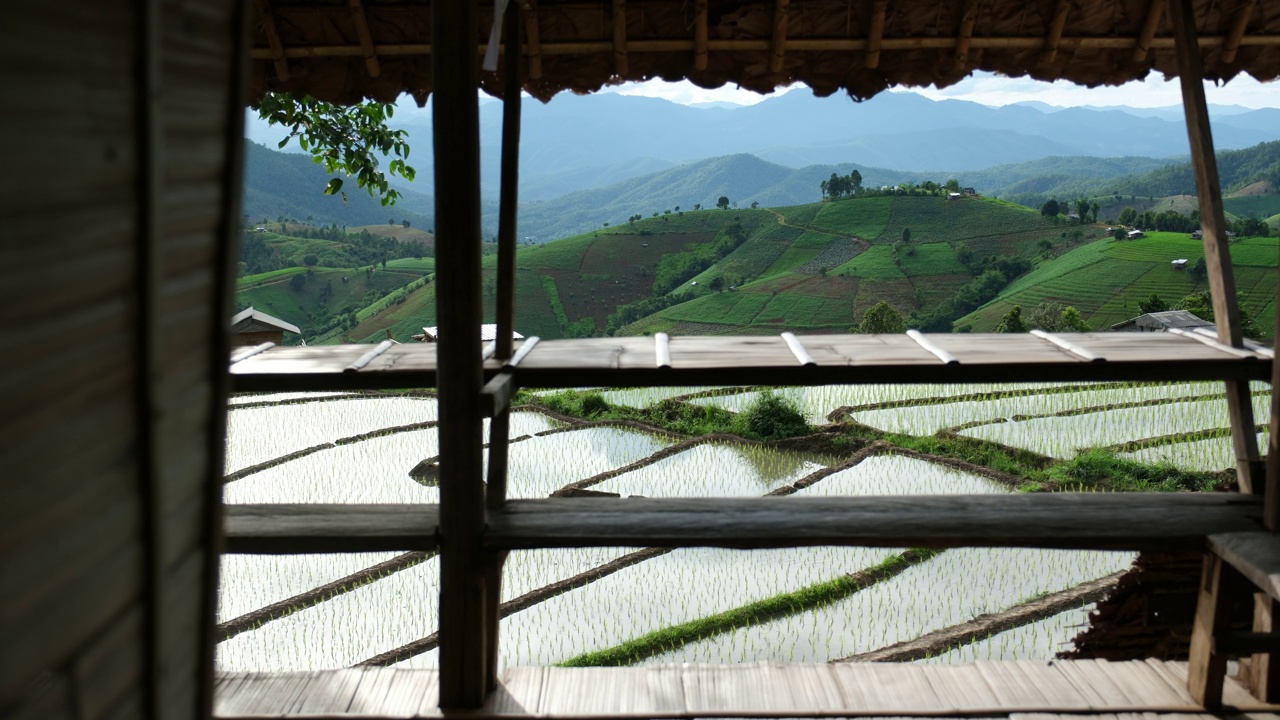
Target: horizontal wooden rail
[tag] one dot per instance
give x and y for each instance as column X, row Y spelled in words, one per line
column 291, row 529
column 1255, row 554
column 1105, row 521
column 1110, row 521
column 827, row 359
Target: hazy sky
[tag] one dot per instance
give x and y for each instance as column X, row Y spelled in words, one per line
column 990, row 89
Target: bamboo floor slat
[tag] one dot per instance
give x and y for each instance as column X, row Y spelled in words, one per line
column 825, row 359
column 1025, row 690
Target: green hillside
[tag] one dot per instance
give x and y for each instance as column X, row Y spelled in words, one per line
column 822, row 266
column 571, row 286
column 1105, row 280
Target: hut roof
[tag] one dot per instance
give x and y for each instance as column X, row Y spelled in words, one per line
column 343, row 51
column 1180, row 319
column 250, row 320
column 488, row 331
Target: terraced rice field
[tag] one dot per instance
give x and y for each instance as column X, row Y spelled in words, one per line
column 657, row 606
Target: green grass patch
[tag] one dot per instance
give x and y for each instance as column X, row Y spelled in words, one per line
column 877, row 263
column 929, row 259
column 553, row 297
column 421, row 265
column 1259, row 206
column 864, row 217
column 1255, row 252
column 760, row 611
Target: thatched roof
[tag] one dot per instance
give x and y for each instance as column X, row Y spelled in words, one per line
column 344, row 50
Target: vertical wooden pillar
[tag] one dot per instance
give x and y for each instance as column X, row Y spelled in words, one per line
column 1207, row 669
column 1222, row 283
column 1264, row 670
column 500, row 426
column 455, row 114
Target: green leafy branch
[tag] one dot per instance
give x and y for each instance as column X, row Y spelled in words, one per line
column 343, row 139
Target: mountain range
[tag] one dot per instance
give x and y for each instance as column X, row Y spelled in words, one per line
column 590, row 160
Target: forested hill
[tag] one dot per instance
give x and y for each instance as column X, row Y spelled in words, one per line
column 1236, row 168
column 291, row 185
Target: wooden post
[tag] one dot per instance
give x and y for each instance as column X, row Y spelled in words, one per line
column 500, row 425
column 1264, row 672
column 455, row 113
column 509, row 191
column 1271, row 494
column 1206, row 669
column 1217, row 256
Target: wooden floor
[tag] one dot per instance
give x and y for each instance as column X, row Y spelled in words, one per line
column 775, row 360
column 985, row 689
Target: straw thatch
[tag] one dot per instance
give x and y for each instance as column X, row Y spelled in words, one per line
column 343, row 51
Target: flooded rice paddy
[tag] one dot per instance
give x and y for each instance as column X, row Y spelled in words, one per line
column 359, row 449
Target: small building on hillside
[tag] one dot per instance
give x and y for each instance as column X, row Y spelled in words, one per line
column 253, row 327
column 1135, row 234
column 1179, row 264
column 970, row 191
column 1161, row 321
column 953, row 196
column 1197, row 235
column 488, row 333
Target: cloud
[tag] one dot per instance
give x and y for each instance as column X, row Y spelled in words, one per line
column 990, row 89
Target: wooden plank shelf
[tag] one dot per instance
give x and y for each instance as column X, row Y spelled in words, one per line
column 1079, row 689
column 1255, row 554
column 289, row 529
column 773, row 360
column 1112, row 521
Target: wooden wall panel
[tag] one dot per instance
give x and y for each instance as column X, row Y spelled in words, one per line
column 115, row 301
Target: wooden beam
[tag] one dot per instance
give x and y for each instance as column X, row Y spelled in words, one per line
column 1271, row 493
column 509, row 187
column 268, row 21
column 148, row 353
column 1264, row 667
column 1149, row 26
column 284, row 529
column 876, row 33
column 1213, row 222
column 968, row 19
column 778, row 48
column 620, row 67
column 366, row 39
column 1206, row 668
column 838, row 359
column 1255, row 555
column 1056, row 29
column 700, row 35
column 464, row 665
column 1238, row 27
column 495, row 396
column 1112, row 521
column 533, row 44
column 794, row 44
column 226, row 259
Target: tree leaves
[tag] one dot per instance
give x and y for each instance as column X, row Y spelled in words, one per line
column 344, row 139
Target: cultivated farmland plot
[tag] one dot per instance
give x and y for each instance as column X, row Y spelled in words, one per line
column 659, row 606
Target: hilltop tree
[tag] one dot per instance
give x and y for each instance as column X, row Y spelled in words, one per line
column 881, row 318
column 404, row 223
column 906, row 235
column 1094, row 207
column 1201, row 305
column 1127, row 216
column 1072, row 322
column 1152, row 304
column 1119, row 234
column 1012, row 321
column 1050, row 208
column 723, row 202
